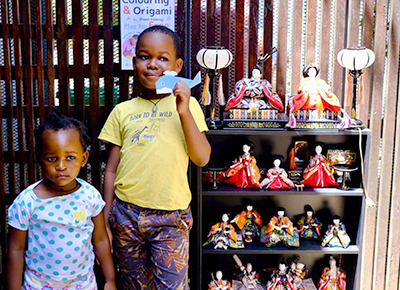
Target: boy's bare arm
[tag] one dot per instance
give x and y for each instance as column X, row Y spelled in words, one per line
column 109, row 179
column 15, row 258
column 102, row 249
column 198, row 147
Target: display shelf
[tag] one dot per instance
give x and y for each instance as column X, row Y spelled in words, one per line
column 229, row 190
column 212, row 203
column 261, row 249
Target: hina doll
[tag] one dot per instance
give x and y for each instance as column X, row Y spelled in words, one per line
column 280, row 279
column 280, row 229
column 309, row 226
column 249, row 222
column 332, row 277
column 336, row 235
column 244, row 172
column 277, row 177
column 223, row 235
column 315, row 94
column 318, row 173
column 254, row 94
column 219, row 284
column 248, row 279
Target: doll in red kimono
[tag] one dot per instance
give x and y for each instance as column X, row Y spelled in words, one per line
column 254, row 94
column 309, row 226
column 315, row 94
column 277, row 177
column 244, row 172
column 223, row 235
column 280, row 229
column 332, row 277
column 249, row 222
column 318, row 173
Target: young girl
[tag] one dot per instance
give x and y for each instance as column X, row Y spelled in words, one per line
column 56, row 222
column 151, row 138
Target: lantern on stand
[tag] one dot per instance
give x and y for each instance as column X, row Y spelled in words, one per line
column 355, row 59
column 213, row 58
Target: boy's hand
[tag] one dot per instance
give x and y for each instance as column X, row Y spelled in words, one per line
column 110, row 286
column 182, row 93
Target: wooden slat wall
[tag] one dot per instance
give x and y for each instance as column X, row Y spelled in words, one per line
column 29, row 73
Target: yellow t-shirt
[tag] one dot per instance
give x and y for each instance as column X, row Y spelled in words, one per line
column 152, row 171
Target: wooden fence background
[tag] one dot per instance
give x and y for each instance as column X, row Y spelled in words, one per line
column 69, row 50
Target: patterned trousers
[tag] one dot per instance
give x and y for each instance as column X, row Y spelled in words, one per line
column 151, row 246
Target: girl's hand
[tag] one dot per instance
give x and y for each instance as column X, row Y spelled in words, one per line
column 182, row 93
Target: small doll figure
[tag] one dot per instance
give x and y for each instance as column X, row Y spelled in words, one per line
column 280, row 279
column 277, row 177
column 249, row 279
column 244, row 172
column 315, row 94
column 299, row 272
column 219, row 284
column 223, row 235
column 310, row 226
column 249, row 222
column 318, row 173
column 332, row 277
column 249, row 94
column 280, row 229
column 336, row 235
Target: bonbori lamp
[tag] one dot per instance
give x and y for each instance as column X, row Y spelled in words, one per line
column 355, row 59
column 213, row 58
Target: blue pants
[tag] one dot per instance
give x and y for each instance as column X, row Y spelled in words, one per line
column 151, row 246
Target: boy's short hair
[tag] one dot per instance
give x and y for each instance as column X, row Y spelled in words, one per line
column 165, row 30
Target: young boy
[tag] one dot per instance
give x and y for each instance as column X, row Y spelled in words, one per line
column 151, row 138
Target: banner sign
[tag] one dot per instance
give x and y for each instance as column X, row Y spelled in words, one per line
column 137, row 15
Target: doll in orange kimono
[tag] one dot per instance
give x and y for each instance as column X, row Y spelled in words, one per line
column 332, row 277
column 219, row 284
column 280, row 229
column 315, row 94
column 318, row 173
column 249, row 222
column 277, row 177
column 223, row 235
column 244, row 172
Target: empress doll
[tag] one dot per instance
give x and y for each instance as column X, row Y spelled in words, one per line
column 309, row 226
column 318, row 173
column 249, row 222
column 223, row 235
column 280, row 229
column 314, row 94
column 332, row 277
column 244, row 172
column 277, row 177
column 336, row 235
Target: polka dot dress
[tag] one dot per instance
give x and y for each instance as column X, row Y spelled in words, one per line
column 59, row 231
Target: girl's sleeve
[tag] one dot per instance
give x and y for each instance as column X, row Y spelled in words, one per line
column 198, row 115
column 110, row 132
column 19, row 213
column 96, row 200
